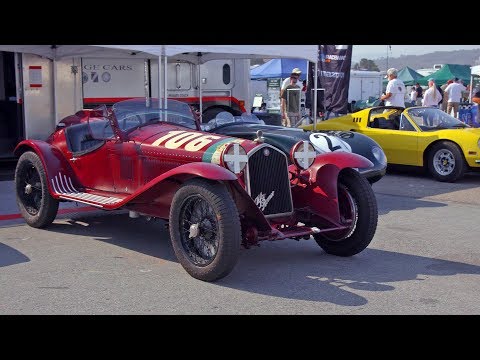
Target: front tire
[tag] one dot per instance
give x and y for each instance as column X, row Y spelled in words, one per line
column 358, row 206
column 205, row 229
column 34, row 201
column 445, row 162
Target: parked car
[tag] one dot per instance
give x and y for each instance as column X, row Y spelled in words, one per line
column 416, row 136
column 216, row 192
column 284, row 138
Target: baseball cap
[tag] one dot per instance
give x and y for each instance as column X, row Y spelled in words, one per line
column 431, row 79
column 392, row 71
column 296, row 71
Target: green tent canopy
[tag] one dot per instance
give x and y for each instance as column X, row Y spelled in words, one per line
column 407, row 75
column 448, row 72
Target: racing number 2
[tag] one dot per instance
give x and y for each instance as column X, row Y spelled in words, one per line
column 194, row 141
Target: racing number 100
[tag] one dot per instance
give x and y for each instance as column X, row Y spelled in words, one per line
column 194, row 140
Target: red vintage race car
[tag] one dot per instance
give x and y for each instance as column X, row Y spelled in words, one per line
column 216, row 192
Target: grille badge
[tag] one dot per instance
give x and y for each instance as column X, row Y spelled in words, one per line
column 266, row 152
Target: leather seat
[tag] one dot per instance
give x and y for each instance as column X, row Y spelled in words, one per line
column 75, row 134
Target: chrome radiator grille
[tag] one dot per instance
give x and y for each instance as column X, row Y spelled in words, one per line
column 268, row 182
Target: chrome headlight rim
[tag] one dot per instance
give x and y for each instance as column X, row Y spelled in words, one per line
column 379, row 154
column 234, row 158
column 303, row 154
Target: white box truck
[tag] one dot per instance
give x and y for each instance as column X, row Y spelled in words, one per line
column 364, row 84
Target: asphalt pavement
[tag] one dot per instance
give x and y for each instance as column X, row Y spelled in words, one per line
column 424, row 259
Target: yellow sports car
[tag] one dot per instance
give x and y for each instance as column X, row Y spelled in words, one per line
column 416, row 136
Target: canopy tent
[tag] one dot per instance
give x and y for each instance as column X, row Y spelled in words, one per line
column 188, row 52
column 196, row 54
column 407, row 75
column 64, row 51
column 279, row 68
column 448, row 72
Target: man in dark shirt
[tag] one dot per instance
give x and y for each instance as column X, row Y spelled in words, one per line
column 291, row 103
column 440, row 90
column 419, row 94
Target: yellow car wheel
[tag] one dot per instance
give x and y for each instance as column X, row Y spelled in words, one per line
column 446, row 162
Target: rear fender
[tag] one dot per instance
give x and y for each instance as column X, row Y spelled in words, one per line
column 53, row 162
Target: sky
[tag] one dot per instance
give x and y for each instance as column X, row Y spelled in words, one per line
column 377, row 51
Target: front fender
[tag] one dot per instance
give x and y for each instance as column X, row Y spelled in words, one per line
column 179, row 175
column 338, row 160
column 320, row 190
column 201, row 169
column 52, row 158
column 161, row 190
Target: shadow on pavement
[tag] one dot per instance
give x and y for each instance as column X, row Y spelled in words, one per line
column 10, row 256
column 286, row 269
column 386, row 204
column 147, row 237
column 303, row 272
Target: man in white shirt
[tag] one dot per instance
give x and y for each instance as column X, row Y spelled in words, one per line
column 454, row 91
column 432, row 96
column 395, row 93
column 413, row 96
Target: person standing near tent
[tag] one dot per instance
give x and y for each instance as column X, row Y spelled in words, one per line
column 445, row 95
column 432, row 95
column 287, row 83
column 290, row 103
column 296, row 72
column 454, row 91
column 413, row 96
column 419, row 94
column 395, row 92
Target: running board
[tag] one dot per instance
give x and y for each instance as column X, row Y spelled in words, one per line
column 64, row 189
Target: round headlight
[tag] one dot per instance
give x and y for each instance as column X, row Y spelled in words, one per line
column 303, row 154
column 235, row 158
column 379, row 155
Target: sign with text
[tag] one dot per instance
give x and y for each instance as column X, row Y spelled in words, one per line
column 113, row 78
column 273, row 95
column 334, row 63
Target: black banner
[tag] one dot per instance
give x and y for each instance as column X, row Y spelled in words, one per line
column 334, row 63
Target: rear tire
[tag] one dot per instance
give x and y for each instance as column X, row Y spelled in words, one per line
column 205, row 229
column 34, row 201
column 445, row 162
column 357, row 202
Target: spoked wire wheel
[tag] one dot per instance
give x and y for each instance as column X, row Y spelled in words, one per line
column 205, row 229
column 199, row 230
column 37, row 206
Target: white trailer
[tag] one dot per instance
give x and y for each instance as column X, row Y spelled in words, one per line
column 364, row 84
column 224, row 83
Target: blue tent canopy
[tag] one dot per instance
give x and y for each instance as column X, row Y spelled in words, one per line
column 279, row 68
